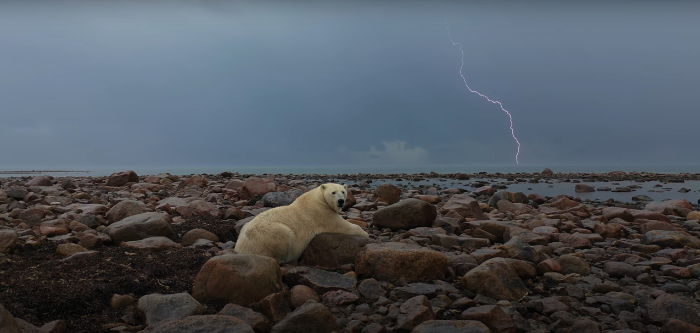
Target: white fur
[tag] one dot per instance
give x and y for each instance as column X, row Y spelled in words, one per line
column 284, row 232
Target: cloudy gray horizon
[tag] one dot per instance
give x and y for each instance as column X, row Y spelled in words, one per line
column 87, row 84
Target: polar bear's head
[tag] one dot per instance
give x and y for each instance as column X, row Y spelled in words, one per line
column 335, row 195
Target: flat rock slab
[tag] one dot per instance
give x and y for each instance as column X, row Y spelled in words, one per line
column 140, row 226
column 158, row 243
column 159, row 308
column 319, row 280
column 331, row 250
column 207, row 323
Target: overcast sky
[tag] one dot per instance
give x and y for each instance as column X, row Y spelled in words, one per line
column 87, row 84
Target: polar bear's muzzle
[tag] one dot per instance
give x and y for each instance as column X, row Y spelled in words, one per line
column 341, row 202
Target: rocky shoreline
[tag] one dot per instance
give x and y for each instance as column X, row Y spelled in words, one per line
column 129, row 253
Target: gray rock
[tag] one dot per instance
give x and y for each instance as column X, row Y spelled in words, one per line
column 202, row 324
column 140, row 226
column 312, row 317
column 277, row 199
column 158, row 308
column 321, row 281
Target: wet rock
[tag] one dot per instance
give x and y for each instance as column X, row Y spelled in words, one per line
column 451, row 326
column 465, row 206
column 495, row 278
column 393, row 261
column 193, row 235
column 584, row 188
column 405, row 214
column 413, row 312
column 331, row 250
column 202, row 323
column 158, row 308
column 321, row 281
column 492, row 316
column 125, row 209
column 140, row 226
column 122, row 178
column 299, row 294
column 278, row 199
column 257, row 321
column 237, row 278
column 388, row 193
column 8, row 239
column 673, row 239
column 153, row 244
column 312, row 317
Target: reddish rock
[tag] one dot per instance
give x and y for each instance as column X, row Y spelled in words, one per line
column 256, row 320
column 563, row 203
column 122, row 178
column 495, row 278
column 609, row 230
column 338, row 298
column 413, row 312
column 125, row 209
column 54, row 227
column 140, row 226
column 649, row 225
column 492, row 316
column 195, row 234
column 388, row 193
column 393, row 261
column 39, row 181
column 465, row 206
column 311, row 317
column 450, row 326
column 8, row 240
column 300, row 294
column 678, row 326
column 237, row 278
column 584, row 188
column 405, row 214
column 274, row 306
column 254, row 187
column 204, row 209
column 196, row 180
column 67, row 249
column 669, row 207
column 331, row 250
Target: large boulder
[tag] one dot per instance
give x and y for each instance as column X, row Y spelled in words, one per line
column 241, row 279
column 122, row 178
column 140, row 226
column 499, row 278
column 465, row 206
column 125, row 209
column 394, row 261
column 254, row 187
column 672, row 239
column 331, row 250
column 678, row 207
column 405, row 214
column 388, row 193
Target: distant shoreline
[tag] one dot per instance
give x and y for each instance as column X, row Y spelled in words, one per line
column 22, row 172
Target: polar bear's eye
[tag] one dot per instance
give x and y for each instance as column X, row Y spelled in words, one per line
column 333, row 193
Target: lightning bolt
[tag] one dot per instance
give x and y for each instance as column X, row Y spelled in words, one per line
column 512, row 132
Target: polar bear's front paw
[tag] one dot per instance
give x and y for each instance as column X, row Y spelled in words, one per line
column 361, row 232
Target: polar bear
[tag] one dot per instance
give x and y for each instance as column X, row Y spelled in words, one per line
column 284, row 232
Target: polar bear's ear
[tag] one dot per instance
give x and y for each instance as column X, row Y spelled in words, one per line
column 323, row 187
column 345, row 186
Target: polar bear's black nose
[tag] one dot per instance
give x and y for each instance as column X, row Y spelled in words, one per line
column 340, row 202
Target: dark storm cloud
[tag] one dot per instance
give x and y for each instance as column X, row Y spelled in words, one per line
column 304, row 83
